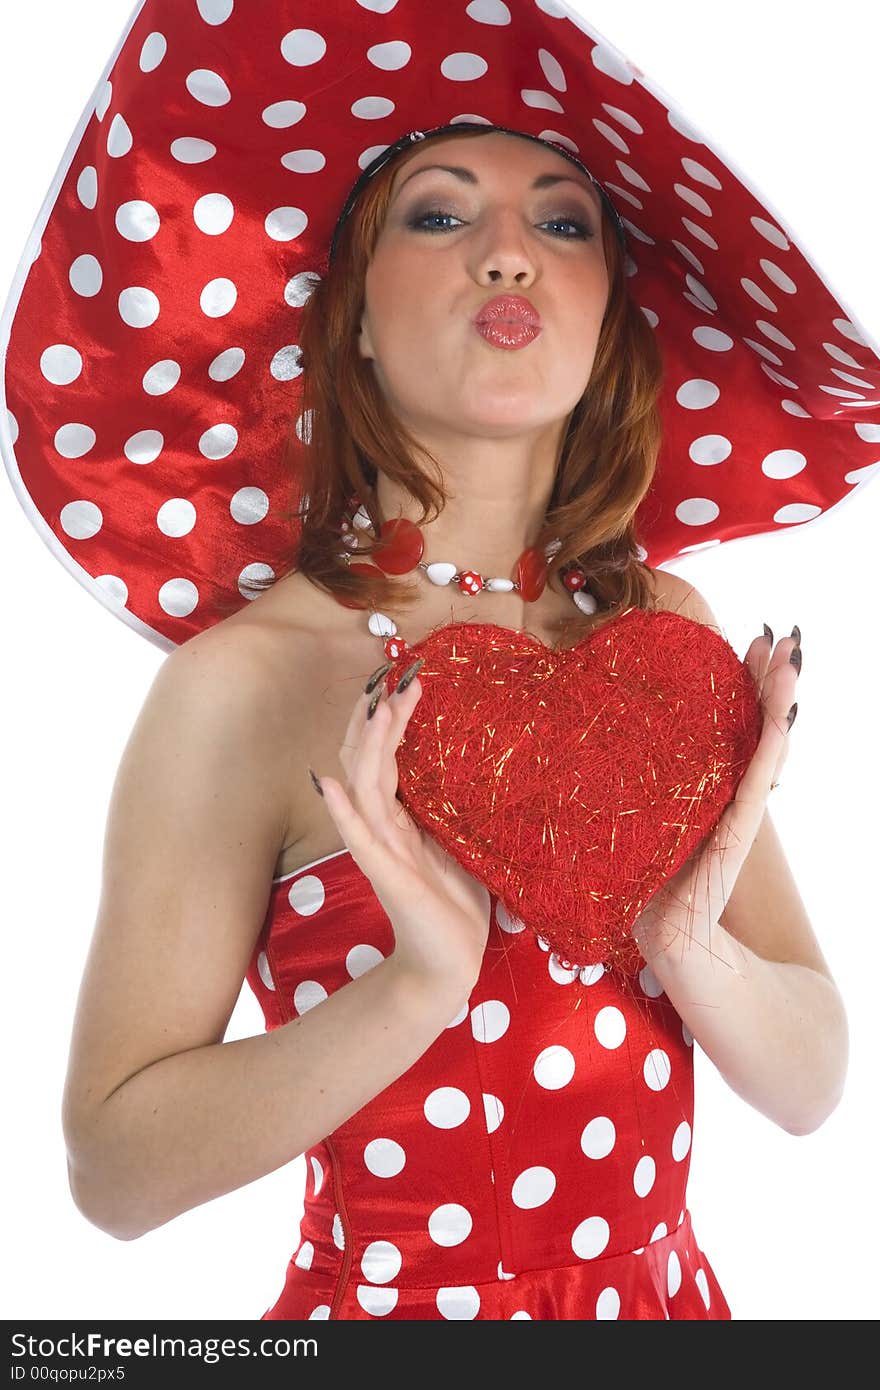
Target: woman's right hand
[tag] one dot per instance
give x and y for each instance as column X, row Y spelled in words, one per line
column 439, row 912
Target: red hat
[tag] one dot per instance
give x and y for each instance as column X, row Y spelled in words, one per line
column 150, row 334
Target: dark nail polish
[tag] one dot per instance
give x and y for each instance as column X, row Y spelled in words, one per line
column 792, row 714
column 371, row 707
column 768, row 633
column 796, row 659
column 409, row 674
column 315, row 783
column 376, row 676
column 796, row 634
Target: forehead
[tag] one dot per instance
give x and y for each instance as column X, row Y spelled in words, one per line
column 468, row 157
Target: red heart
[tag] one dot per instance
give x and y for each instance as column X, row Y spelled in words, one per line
column 574, row 783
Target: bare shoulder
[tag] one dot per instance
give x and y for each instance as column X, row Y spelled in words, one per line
column 674, row 594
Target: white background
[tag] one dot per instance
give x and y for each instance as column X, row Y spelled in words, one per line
column 790, row 1225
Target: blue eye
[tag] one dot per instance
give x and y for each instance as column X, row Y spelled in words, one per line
column 583, row 232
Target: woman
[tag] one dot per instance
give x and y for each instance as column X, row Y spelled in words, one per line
column 478, row 1144
column 485, row 953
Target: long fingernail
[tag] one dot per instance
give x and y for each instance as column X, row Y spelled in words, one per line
column 796, row 659
column 409, row 674
column 371, row 707
column 792, row 714
column 376, row 676
column 315, row 783
column 768, row 633
column 796, row 634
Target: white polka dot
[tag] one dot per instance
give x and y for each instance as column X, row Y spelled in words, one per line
column 144, row 447
column 385, row 1158
column 710, row 449
column 81, row 520
column 644, row 1175
column 697, row 394
column 608, row 1304
column 213, row 213
column 591, row 974
column 218, row 297
column 458, row 1302
column 712, row 338
column 338, row 1232
column 702, row 1284
column 74, row 440
column 215, row 11
column 138, row 307
column 161, row 378
column 657, row 1069
column 61, row 364
column 286, row 365
column 673, row 1274
column 284, row 224
column 322, row 1311
column 219, row 441
column 153, row 50
column 598, row 1137
column 590, row 1237
column 649, row 983
column 507, row 921
column 85, row 275
column 137, row 220
column 13, row 425
column 263, row 970
column 494, row 1112
column 114, row 587
column 178, row 597
column 307, row 994
column 300, row 288
column 103, row 100
column 533, row 1187
column 362, row 958
column 87, row 187
column 390, row 56
column 697, row 511
column 521, row 1313
column 381, row 1262
column 208, row 88
column 554, row 1067
column 119, row 138
column 190, row 150
column 304, row 161
column 306, row 895
column 490, row 1021
column 372, row 108
column 376, row 1302
column 248, row 506
column 783, row 463
column 317, row 1174
column 463, row 67
column 283, row 114
column 447, row 1107
column 795, row 512
column 658, row 1233
column 175, row 517
column 302, row 47
column 305, row 1255
column 227, row 364
column 681, row 1141
column 449, row 1224
column 610, row 1026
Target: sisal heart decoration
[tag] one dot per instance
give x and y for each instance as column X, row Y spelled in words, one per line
column 574, row 783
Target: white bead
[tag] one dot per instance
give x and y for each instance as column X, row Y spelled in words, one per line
column 585, row 600
column 380, row 626
column 551, row 548
column 361, row 519
column 499, row 586
column 441, row 572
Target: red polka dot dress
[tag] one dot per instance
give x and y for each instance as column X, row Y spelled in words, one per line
column 532, row 1163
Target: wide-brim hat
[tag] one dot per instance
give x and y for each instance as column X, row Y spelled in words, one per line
column 151, row 366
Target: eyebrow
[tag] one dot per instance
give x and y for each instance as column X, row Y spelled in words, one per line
column 468, row 176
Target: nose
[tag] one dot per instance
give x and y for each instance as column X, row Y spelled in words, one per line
column 504, row 252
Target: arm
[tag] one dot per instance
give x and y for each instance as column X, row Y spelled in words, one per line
column 750, row 980
column 159, row 1113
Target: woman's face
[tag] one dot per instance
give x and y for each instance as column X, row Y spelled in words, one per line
column 497, row 234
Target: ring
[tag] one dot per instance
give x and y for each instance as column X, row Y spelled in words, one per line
column 774, row 785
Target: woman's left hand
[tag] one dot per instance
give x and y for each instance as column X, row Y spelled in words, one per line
column 690, row 903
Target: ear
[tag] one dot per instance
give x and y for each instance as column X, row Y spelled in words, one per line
column 365, row 346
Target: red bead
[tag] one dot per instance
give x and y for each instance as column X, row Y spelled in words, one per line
column 531, row 574
column 469, row 582
column 402, row 546
column 395, row 647
column 574, row 579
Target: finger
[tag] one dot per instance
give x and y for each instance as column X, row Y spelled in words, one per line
column 778, row 693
